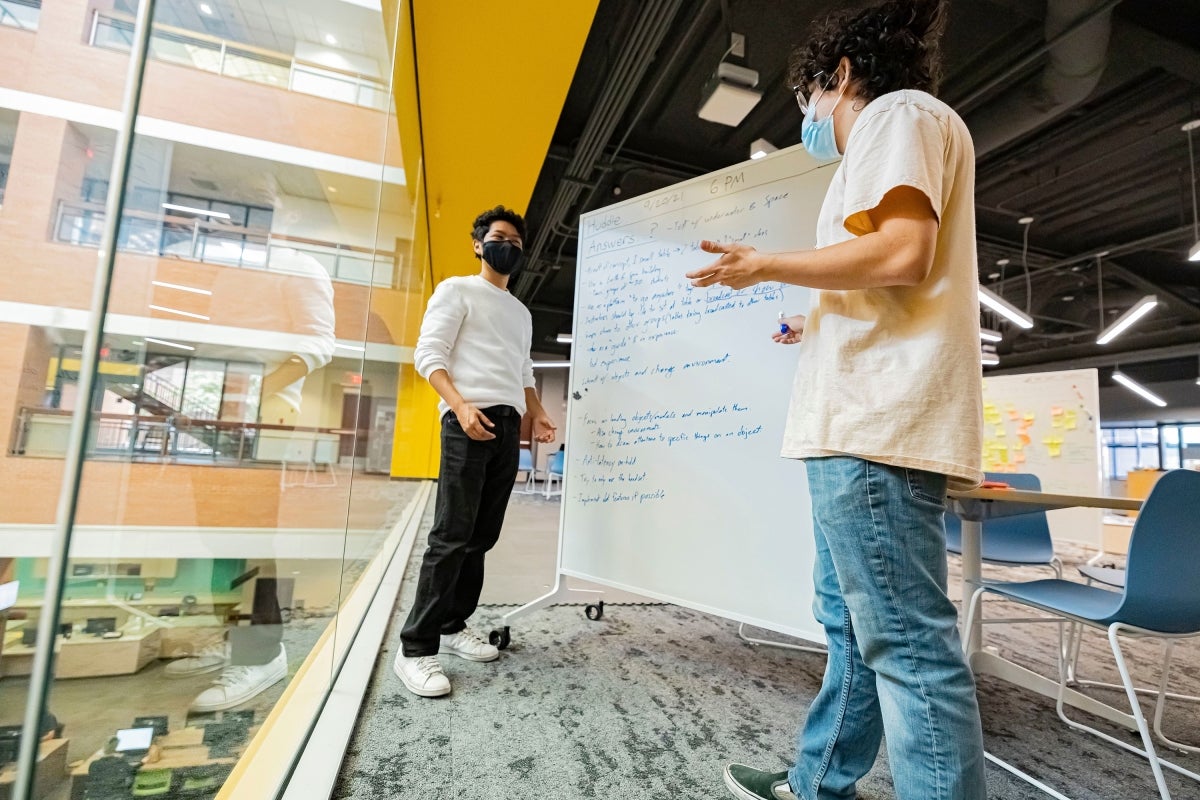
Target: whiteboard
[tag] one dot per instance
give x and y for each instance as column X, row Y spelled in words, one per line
column 1048, row 423
column 674, row 485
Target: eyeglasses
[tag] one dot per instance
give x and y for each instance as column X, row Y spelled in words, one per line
column 800, row 90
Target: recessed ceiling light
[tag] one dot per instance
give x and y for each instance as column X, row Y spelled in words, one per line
column 1068, row 298
column 993, row 276
column 330, row 39
column 205, row 8
column 1025, row 221
column 1002, row 262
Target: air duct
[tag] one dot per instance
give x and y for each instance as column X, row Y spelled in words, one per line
column 1076, row 62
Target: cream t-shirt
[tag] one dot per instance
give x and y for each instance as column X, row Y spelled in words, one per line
column 893, row 375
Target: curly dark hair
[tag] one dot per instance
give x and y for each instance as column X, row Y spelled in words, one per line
column 891, row 46
column 483, row 222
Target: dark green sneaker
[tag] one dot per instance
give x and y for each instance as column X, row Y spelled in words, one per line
column 748, row 783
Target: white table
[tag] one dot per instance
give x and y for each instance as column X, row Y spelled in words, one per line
column 977, row 505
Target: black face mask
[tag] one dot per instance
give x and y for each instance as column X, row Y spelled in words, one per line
column 504, row 257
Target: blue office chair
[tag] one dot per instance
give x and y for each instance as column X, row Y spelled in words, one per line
column 1115, row 578
column 554, row 472
column 1161, row 599
column 525, row 464
column 1022, row 540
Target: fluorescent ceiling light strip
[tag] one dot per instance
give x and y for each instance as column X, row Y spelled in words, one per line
column 1004, row 308
column 1123, row 323
column 204, row 212
column 551, row 364
column 990, row 359
column 167, row 310
column 989, row 335
column 565, row 338
column 169, row 344
column 181, row 288
column 1138, row 389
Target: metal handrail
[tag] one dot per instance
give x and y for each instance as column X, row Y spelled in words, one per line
column 219, row 229
column 262, row 54
column 157, row 438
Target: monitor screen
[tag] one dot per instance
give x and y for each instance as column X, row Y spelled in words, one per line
column 134, row 739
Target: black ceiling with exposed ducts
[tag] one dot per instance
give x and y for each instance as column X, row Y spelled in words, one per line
column 1076, row 107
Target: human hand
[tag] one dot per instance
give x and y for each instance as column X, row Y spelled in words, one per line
column 544, row 429
column 795, row 330
column 738, row 267
column 474, row 423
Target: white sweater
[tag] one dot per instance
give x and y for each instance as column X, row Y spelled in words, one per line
column 480, row 335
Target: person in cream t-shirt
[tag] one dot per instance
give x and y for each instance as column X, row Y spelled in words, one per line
column 886, row 409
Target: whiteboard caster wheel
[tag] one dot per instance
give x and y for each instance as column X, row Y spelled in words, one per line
column 500, row 638
column 594, row 611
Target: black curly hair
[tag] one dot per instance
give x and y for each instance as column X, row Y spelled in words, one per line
column 483, row 222
column 891, row 46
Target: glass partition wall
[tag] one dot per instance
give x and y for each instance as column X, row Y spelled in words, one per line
column 233, row 494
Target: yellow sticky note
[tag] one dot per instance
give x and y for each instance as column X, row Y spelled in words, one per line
column 1053, row 446
column 1070, row 420
column 1001, row 432
column 1056, row 422
column 1029, row 417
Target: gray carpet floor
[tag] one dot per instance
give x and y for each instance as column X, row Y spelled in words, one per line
column 652, row 701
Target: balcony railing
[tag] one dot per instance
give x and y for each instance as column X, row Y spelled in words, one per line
column 43, row 432
column 195, row 239
column 244, row 62
column 23, row 14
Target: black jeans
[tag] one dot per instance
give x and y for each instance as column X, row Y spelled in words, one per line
column 474, row 483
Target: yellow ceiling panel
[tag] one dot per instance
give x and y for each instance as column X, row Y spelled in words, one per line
column 492, row 80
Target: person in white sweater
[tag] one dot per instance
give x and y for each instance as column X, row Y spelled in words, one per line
column 474, row 351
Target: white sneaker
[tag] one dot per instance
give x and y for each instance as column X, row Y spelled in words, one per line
column 422, row 675
column 209, row 659
column 237, row 684
column 466, row 644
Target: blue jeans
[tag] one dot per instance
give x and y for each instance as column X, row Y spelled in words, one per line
column 895, row 659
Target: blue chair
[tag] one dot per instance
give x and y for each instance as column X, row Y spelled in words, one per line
column 554, row 472
column 1161, row 599
column 525, row 464
column 1016, row 541
column 1022, row 540
column 1115, row 578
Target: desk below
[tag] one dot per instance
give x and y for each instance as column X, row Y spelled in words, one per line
column 51, row 769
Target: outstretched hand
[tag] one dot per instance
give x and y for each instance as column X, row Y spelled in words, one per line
column 738, row 267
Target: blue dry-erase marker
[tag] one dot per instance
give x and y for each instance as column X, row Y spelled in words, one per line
column 783, row 326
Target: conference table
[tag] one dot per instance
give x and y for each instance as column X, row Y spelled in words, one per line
column 973, row 508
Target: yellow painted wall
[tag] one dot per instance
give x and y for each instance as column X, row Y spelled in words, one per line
column 487, row 92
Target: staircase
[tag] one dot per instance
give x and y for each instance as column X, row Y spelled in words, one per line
column 164, row 398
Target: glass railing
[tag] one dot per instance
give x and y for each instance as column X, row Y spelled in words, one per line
column 244, row 62
column 42, row 433
column 194, row 239
column 21, row 14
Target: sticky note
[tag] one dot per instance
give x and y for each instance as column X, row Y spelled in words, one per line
column 1056, row 411
column 1070, row 420
column 1001, row 432
column 1053, row 446
column 1029, row 417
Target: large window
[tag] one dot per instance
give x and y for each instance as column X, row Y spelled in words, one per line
column 1164, row 445
column 21, row 14
column 8, row 136
column 232, row 512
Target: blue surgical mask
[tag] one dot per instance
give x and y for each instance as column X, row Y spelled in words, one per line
column 818, row 135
